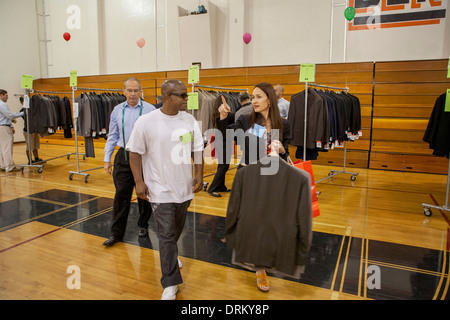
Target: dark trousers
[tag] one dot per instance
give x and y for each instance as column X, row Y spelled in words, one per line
column 170, row 219
column 124, row 183
column 218, row 183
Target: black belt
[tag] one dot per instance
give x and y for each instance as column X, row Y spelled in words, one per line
column 5, row 125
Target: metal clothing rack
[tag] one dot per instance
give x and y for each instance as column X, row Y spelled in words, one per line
column 218, row 88
column 97, row 89
column 39, row 163
column 83, row 172
column 332, row 173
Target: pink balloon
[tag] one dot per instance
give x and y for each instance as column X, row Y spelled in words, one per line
column 66, row 36
column 247, row 38
column 140, row 42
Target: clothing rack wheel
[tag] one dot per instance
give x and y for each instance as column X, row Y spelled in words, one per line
column 86, row 175
column 40, row 168
column 81, row 172
column 333, row 173
column 427, row 209
column 427, row 212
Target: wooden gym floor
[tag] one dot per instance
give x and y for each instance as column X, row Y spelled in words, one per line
column 370, row 231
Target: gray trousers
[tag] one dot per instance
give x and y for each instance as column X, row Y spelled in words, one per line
column 170, row 219
column 6, row 148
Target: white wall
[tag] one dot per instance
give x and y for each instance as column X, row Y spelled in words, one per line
column 19, row 53
column 288, row 31
column 81, row 52
column 284, row 32
column 124, row 23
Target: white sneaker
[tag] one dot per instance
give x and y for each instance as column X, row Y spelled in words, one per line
column 180, row 265
column 170, row 293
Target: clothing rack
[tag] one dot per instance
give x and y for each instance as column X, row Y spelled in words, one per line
column 97, row 89
column 83, row 172
column 110, row 90
column 39, row 164
column 218, row 88
column 43, row 91
column 332, row 173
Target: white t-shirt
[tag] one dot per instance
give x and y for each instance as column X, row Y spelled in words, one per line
column 165, row 144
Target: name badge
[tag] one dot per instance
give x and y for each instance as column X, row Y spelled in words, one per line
column 186, row 138
column 258, row 130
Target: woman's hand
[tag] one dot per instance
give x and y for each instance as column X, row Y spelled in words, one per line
column 224, row 109
column 278, row 147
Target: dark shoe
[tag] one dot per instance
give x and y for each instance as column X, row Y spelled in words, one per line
column 215, row 194
column 143, row 232
column 111, row 241
column 37, row 160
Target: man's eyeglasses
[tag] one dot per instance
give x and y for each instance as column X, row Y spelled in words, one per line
column 183, row 95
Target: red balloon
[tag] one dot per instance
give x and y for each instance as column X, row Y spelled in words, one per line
column 66, row 36
column 247, row 38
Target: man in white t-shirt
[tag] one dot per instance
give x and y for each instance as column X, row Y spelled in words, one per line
column 161, row 147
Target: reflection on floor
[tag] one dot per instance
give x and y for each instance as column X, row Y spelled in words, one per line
column 357, row 266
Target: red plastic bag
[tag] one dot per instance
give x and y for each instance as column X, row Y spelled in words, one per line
column 307, row 166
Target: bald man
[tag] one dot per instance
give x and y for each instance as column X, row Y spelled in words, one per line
column 283, row 104
column 121, row 124
column 161, row 146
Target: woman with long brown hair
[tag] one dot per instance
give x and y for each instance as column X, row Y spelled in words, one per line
column 271, row 133
column 264, row 119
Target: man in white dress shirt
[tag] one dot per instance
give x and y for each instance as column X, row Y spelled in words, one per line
column 7, row 134
column 283, row 104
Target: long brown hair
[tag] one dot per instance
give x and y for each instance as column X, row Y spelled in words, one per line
column 274, row 113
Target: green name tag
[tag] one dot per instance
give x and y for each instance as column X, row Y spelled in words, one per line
column 194, row 74
column 192, row 101
column 27, row 82
column 307, row 72
column 448, row 69
column 186, row 138
column 447, row 101
column 73, row 78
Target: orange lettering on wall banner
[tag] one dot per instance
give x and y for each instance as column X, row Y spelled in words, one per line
column 380, row 14
column 435, row 3
column 415, row 4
